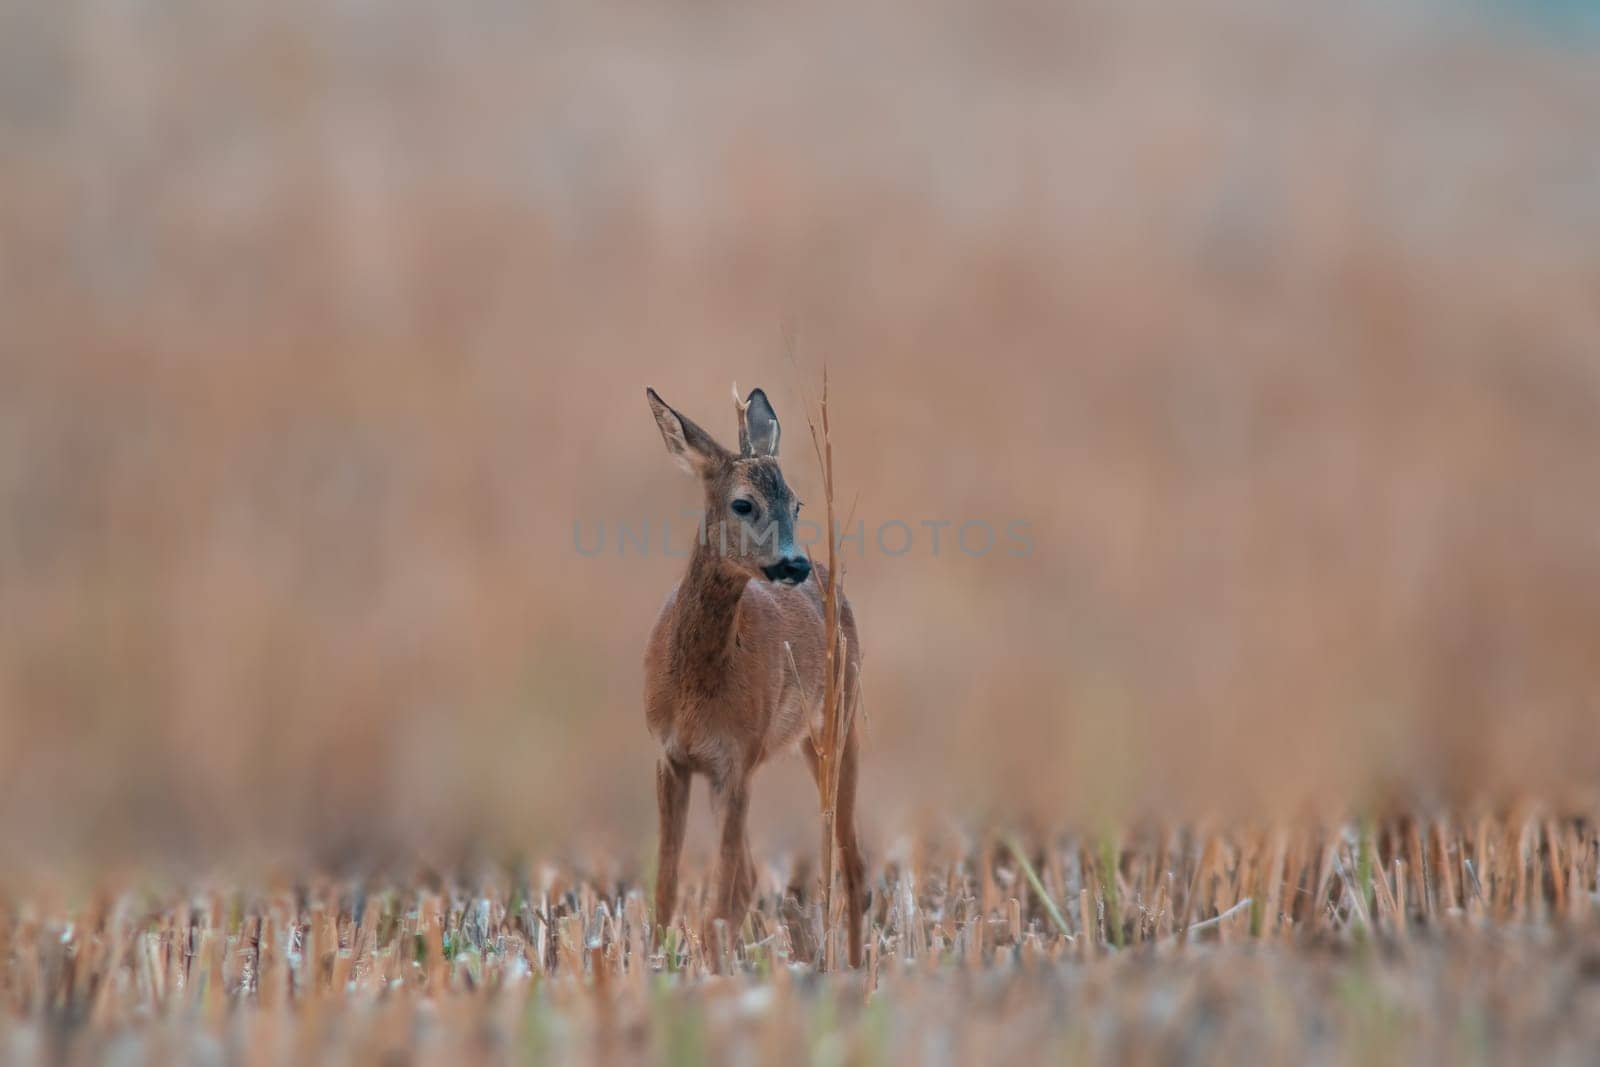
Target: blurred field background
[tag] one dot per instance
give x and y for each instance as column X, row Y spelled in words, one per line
column 321, row 325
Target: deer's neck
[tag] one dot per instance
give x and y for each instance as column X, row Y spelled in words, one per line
column 707, row 616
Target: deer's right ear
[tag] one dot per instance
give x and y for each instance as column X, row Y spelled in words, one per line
column 694, row 449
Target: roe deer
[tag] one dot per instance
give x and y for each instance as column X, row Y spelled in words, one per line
column 722, row 692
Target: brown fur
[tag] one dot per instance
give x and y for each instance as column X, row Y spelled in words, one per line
column 721, row 693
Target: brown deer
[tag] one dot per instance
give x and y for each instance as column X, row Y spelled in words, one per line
column 734, row 670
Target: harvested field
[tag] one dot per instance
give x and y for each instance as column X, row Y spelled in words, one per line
column 1406, row 939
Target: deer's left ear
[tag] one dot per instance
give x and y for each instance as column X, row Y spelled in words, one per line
column 758, row 426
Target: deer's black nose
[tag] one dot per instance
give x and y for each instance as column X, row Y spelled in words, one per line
column 791, row 569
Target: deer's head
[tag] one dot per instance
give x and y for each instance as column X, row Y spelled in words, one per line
column 750, row 511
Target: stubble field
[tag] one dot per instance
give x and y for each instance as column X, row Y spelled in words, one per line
column 1407, row 939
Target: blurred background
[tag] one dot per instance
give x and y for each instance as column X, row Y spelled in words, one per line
column 322, row 325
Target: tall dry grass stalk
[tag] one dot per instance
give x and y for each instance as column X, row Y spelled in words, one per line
column 829, row 736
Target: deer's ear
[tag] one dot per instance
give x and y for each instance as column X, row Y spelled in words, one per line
column 758, row 426
column 694, row 449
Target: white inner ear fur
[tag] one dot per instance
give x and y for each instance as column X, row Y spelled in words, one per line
column 684, row 463
column 677, row 444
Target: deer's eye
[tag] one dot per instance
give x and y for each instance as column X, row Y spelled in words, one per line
column 743, row 507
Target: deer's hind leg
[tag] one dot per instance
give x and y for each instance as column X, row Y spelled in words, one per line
column 844, row 831
column 851, row 864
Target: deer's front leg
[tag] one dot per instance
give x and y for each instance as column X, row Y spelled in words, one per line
column 735, row 869
column 672, row 800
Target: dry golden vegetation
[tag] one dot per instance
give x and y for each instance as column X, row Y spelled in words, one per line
column 1411, row 939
